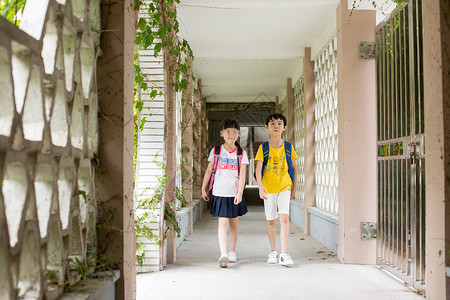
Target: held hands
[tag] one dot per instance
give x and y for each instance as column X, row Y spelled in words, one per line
column 205, row 195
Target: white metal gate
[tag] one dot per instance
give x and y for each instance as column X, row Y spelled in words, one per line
column 401, row 163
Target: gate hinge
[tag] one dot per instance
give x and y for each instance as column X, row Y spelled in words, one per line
column 367, row 50
column 368, row 230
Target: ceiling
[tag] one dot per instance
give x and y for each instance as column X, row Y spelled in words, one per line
column 246, row 49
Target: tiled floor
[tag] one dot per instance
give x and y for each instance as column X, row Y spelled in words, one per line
column 316, row 273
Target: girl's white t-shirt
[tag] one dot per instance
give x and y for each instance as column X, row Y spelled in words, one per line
column 226, row 180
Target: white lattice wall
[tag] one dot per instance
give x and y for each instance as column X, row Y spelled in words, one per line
column 151, row 143
column 48, row 137
column 299, row 132
column 326, row 135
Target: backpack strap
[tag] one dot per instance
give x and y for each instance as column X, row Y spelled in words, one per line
column 239, row 158
column 265, row 148
column 288, row 150
column 217, row 150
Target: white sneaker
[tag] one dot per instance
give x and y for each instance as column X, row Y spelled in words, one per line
column 232, row 256
column 223, row 261
column 272, row 258
column 285, row 259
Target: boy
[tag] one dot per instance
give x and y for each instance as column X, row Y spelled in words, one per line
column 277, row 184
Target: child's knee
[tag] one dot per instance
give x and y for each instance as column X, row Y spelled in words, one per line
column 284, row 219
column 271, row 222
column 223, row 222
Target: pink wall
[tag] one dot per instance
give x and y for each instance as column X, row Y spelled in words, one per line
column 436, row 40
column 357, row 136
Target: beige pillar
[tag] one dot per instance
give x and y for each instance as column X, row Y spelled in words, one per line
column 187, row 149
column 114, row 178
column 357, row 136
column 205, row 137
column 197, row 150
column 290, row 111
column 277, row 105
column 170, row 62
column 436, row 66
column 310, row 145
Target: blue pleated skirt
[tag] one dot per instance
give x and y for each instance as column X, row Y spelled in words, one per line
column 225, row 207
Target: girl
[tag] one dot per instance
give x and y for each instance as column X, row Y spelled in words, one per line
column 227, row 202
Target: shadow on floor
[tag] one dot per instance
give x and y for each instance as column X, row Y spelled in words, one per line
column 316, row 273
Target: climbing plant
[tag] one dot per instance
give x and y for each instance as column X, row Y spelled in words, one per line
column 158, row 29
column 12, row 9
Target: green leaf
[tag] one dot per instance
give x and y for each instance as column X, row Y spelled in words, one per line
column 143, row 121
column 139, row 105
column 141, row 24
column 153, row 94
column 139, row 249
column 184, row 84
column 147, row 37
column 158, row 47
column 137, row 70
column 110, row 214
column 183, row 69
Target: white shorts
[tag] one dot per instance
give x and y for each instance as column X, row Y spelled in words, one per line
column 279, row 200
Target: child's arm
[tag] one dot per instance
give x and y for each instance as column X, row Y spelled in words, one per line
column 262, row 190
column 206, row 178
column 294, row 184
column 242, row 173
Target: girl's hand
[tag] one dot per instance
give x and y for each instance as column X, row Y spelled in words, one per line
column 262, row 193
column 237, row 199
column 205, row 195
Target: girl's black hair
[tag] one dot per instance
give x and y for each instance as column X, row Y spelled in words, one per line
column 276, row 117
column 229, row 123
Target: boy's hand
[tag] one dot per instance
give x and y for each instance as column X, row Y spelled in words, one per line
column 237, row 199
column 262, row 193
column 205, row 195
column 293, row 191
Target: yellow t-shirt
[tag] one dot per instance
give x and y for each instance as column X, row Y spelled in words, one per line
column 276, row 175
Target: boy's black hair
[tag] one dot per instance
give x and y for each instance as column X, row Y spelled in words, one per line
column 276, row 116
column 229, row 123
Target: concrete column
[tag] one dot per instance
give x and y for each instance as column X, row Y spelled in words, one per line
column 205, row 137
column 187, row 148
column 310, row 145
column 277, row 105
column 171, row 149
column 357, row 136
column 436, row 65
column 290, row 111
column 114, row 178
column 197, row 141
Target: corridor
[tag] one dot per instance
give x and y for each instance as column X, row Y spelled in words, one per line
column 316, row 273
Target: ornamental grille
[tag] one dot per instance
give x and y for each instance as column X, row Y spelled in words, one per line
column 326, row 135
column 299, row 132
column 48, row 137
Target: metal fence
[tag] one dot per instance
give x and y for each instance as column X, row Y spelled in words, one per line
column 401, row 163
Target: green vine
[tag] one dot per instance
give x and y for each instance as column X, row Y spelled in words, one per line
column 12, row 9
column 158, row 30
column 171, row 216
